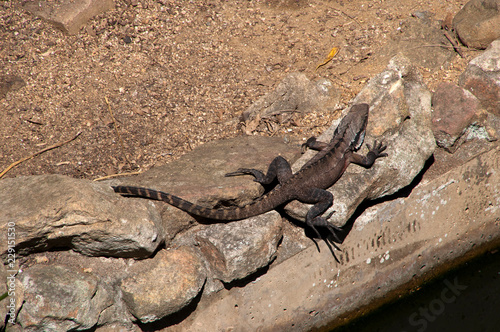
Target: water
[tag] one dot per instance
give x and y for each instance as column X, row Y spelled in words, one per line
column 466, row 299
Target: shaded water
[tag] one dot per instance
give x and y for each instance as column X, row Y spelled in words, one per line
column 465, row 299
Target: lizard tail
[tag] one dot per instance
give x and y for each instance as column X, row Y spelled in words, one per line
column 236, row 213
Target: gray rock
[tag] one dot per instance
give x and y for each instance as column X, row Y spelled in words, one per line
column 454, row 110
column 68, row 15
column 478, row 23
column 400, row 116
column 238, row 249
column 54, row 211
column 163, row 285
column 56, row 298
column 295, row 93
column 109, row 271
column 482, row 78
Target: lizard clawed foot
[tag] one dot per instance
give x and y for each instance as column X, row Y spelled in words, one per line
column 333, row 231
column 323, row 222
column 377, row 149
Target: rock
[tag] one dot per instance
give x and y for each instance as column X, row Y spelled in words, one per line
column 90, row 218
column 454, row 110
column 68, row 15
column 54, row 211
column 56, row 298
column 163, row 285
column 492, row 127
column 108, row 271
column 400, row 116
column 414, row 34
column 477, row 23
column 10, row 83
column 199, row 176
column 236, row 250
column 482, row 78
column 295, row 93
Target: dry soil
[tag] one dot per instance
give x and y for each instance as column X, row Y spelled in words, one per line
column 151, row 80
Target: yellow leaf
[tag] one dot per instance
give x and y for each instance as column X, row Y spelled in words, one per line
column 329, row 58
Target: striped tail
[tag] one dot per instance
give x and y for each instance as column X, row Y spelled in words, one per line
column 259, row 206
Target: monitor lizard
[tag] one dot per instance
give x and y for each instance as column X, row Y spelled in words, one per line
column 307, row 185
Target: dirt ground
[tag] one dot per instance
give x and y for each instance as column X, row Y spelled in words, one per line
column 174, row 74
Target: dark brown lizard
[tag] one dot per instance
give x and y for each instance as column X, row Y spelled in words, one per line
column 307, row 185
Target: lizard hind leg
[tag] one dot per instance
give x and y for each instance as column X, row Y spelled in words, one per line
column 323, row 200
column 278, row 169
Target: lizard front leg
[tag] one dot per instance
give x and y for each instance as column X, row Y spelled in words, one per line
column 374, row 153
column 278, row 169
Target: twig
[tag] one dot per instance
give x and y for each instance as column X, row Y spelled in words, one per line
column 14, row 164
column 267, row 116
column 436, row 45
column 117, row 131
column 349, row 16
column 454, row 43
column 116, row 175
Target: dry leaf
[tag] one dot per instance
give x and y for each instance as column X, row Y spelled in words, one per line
column 329, row 58
column 251, row 125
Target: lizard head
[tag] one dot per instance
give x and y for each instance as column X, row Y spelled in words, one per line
column 354, row 125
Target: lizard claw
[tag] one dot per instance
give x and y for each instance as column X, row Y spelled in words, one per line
column 333, row 230
column 377, row 149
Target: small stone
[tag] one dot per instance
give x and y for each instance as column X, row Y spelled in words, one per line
column 478, row 23
column 10, row 83
column 245, row 246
